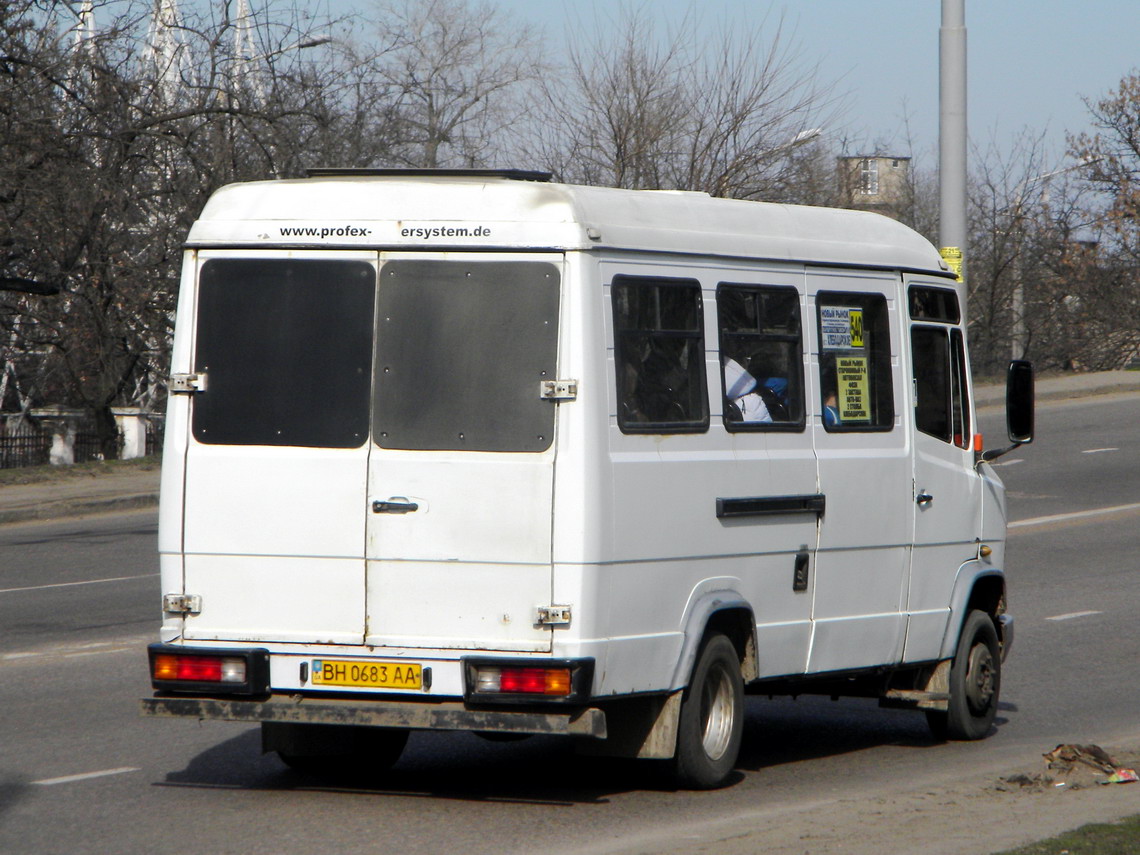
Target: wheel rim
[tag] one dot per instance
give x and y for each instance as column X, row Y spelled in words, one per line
column 980, row 679
column 718, row 713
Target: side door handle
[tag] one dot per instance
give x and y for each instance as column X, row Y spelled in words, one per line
column 394, row 505
column 924, row 498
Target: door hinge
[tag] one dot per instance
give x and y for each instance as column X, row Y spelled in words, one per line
column 553, row 616
column 558, row 390
column 182, row 604
column 187, row 384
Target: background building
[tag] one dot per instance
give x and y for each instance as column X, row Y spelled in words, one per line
column 875, row 182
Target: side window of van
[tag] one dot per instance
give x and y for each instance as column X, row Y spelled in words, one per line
column 938, row 354
column 855, row 362
column 761, row 348
column 660, row 355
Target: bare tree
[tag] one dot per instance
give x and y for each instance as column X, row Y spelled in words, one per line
column 1005, row 216
column 636, row 108
column 1107, row 307
column 108, row 148
column 1043, row 283
column 455, row 72
column 1111, row 157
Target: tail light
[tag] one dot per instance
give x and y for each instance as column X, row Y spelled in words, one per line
column 521, row 681
column 174, row 668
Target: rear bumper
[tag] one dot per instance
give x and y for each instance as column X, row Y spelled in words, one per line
column 410, row 715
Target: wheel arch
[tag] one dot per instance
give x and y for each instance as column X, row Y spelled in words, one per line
column 722, row 610
column 980, row 587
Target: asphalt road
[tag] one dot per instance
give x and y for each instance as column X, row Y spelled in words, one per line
column 81, row 772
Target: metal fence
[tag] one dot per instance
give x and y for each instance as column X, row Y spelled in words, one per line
column 24, row 446
column 154, row 435
column 87, row 447
column 29, row 445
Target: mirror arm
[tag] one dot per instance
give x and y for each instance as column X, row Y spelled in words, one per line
column 995, row 453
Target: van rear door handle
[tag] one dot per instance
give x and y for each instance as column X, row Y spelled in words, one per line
column 924, row 499
column 395, row 505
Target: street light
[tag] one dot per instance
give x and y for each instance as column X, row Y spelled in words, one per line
column 805, row 137
column 243, row 43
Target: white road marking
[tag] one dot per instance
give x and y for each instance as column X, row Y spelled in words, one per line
column 73, row 584
column 1012, row 462
column 1072, row 615
column 91, row 648
column 71, row 779
column 1075, row 515
column 1098, row 450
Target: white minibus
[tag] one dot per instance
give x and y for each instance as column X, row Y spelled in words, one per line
column 472, row 450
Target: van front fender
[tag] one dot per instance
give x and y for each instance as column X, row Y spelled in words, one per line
column 977, row 586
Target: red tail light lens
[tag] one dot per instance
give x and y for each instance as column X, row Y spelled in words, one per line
column 535, row 681
column 525, row 680
column 199, row 669
column 210, row 671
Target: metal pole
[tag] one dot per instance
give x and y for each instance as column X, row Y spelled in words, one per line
column 952, row 134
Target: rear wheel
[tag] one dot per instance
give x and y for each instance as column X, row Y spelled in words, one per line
column 712, row 717
column 975, row 682
column 334, row 751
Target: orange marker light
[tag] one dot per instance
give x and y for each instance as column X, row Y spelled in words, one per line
column 166, row 667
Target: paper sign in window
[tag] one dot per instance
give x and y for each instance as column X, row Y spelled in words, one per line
column 852, row 396
column 841, row 327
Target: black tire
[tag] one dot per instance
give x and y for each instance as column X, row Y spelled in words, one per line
column 712, row 717
column 975, row 683
column 335, row 751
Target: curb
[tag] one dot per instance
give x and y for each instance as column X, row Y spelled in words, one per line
column 994, row 395
column 69, row 508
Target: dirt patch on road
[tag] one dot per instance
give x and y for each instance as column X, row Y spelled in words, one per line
column 968, row 818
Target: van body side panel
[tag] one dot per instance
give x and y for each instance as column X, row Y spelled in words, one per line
column 668, row 541
column 175, row 440
column 582, row 527
column 861, row 567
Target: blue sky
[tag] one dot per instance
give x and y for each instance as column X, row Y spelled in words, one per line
column 1030, row 61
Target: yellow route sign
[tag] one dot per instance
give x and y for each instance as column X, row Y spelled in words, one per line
column 854, row 402
column 952, row 255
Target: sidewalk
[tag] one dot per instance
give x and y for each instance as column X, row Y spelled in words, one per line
column 107, row 492
column 120, row 491
column 1066, row 386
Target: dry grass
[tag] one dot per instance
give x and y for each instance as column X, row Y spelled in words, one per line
column 92, row 469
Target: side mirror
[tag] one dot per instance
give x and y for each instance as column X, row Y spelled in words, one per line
column 1019, row 402
column 1018, row 409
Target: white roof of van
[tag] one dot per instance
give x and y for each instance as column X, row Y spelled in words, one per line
column 490, row 212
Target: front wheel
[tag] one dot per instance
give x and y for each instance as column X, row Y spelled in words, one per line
column 712, row 717
column 975, row 682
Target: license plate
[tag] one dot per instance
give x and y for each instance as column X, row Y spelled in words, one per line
column 365, row 674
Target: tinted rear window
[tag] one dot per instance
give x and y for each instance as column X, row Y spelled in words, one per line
column 461, row 350
column 286, row 346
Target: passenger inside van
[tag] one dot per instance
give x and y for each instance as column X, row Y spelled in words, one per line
column 829, row 386
column 749, row 400
column 830, row 410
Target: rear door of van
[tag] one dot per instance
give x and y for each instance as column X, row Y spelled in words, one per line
column 277, row 457
column 461, row 476
column 370, row 458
